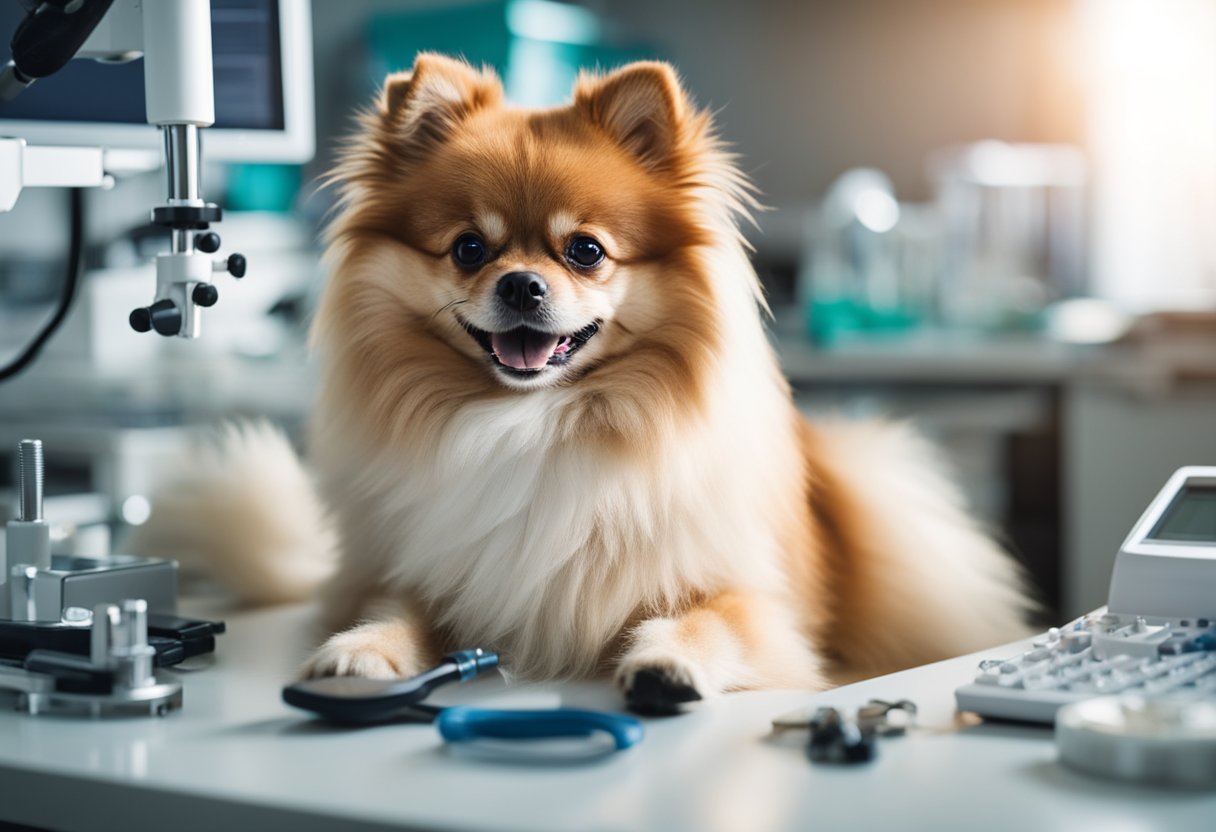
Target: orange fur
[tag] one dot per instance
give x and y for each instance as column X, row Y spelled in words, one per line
column 654, row 505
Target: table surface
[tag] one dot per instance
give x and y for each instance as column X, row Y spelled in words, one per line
column 235, row 756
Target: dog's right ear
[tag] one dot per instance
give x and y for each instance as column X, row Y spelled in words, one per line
column 426, row 103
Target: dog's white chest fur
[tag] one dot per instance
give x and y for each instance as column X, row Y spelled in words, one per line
column 545, row 551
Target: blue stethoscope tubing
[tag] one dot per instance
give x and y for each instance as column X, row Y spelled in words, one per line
column 352, row 700
column 459, row 724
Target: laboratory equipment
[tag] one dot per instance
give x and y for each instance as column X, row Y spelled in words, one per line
column 82, row 635
column 174, row 639
column 1014, row 224
column 837, row 739
column 262, row 75
column 1165, row 740
column 117, row 678
column 39, row 587
column 70, row 118
column 866, row 267
column 1156, row 636
column 47, row 599
column 834, row 737
column 175, row 41
column 355, row 700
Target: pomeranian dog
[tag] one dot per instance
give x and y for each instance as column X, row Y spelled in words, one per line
column 551, row 424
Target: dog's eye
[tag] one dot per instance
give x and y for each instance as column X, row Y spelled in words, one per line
column 469, row 250
column 584, row 252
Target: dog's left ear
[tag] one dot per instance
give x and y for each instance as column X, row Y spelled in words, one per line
column 641, row 106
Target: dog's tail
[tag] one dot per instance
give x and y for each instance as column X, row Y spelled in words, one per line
column 919, row 579
column 242, row 511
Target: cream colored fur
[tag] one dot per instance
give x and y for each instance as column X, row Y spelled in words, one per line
column 932, row 580
column 502, row 534
column 240, row 509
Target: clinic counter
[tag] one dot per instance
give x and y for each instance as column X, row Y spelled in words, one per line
column 235, row 757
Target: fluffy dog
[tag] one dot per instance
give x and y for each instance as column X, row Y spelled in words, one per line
column 551, row 424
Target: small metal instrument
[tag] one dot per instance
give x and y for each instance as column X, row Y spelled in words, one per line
column 84, row 635
column 117, row 678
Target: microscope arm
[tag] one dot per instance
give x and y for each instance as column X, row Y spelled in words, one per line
column 174, row 37
column 176, row 44
column 23, row 166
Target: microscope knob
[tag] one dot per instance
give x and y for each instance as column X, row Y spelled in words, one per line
column 207, row 242
column 166, row 318
column 141, row 319
column 236, row 265
column 205, row 294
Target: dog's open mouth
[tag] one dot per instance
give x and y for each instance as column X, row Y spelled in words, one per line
column 524, row 350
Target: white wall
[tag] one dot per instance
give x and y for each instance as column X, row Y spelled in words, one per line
column 809, row 89
column 1119, row 450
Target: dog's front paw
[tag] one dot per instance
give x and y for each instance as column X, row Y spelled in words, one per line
column 659, row 685
column 374, row 651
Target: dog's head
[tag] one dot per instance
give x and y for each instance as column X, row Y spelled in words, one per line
column 537, row 247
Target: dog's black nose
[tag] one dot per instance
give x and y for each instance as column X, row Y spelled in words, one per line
column 522, row 290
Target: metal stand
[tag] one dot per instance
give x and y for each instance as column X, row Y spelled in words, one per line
column 117, row 679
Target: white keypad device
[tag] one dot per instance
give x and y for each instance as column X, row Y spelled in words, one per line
column 1156, row 636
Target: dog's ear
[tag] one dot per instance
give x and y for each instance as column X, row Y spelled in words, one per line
column 428, row 101
column 642, row 106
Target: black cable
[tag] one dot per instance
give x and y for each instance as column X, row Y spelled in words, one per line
column 75, row 255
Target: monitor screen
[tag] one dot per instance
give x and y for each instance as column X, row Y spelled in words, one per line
column 1190, row 518
column 262, row 74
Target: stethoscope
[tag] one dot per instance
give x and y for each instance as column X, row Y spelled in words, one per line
column 353, row 700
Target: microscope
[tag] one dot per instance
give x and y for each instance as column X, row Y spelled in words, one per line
column 174, row 38
column 77, row 634
column 84, row 635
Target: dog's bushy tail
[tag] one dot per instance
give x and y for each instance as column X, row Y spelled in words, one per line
column 242, row 511
column 920, row 579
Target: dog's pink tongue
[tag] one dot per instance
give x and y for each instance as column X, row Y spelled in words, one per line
column 523, row 349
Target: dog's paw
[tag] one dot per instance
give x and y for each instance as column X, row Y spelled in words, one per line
column 659, row 686
column 374, row 651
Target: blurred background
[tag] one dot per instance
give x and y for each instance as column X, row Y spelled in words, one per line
column 996, row 218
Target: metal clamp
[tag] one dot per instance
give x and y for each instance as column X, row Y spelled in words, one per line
column 116, row 679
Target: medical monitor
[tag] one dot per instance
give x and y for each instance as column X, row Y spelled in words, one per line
column 263, row 77
column 1167, row 565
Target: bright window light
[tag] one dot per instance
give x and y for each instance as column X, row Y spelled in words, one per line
column 1150, row 70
